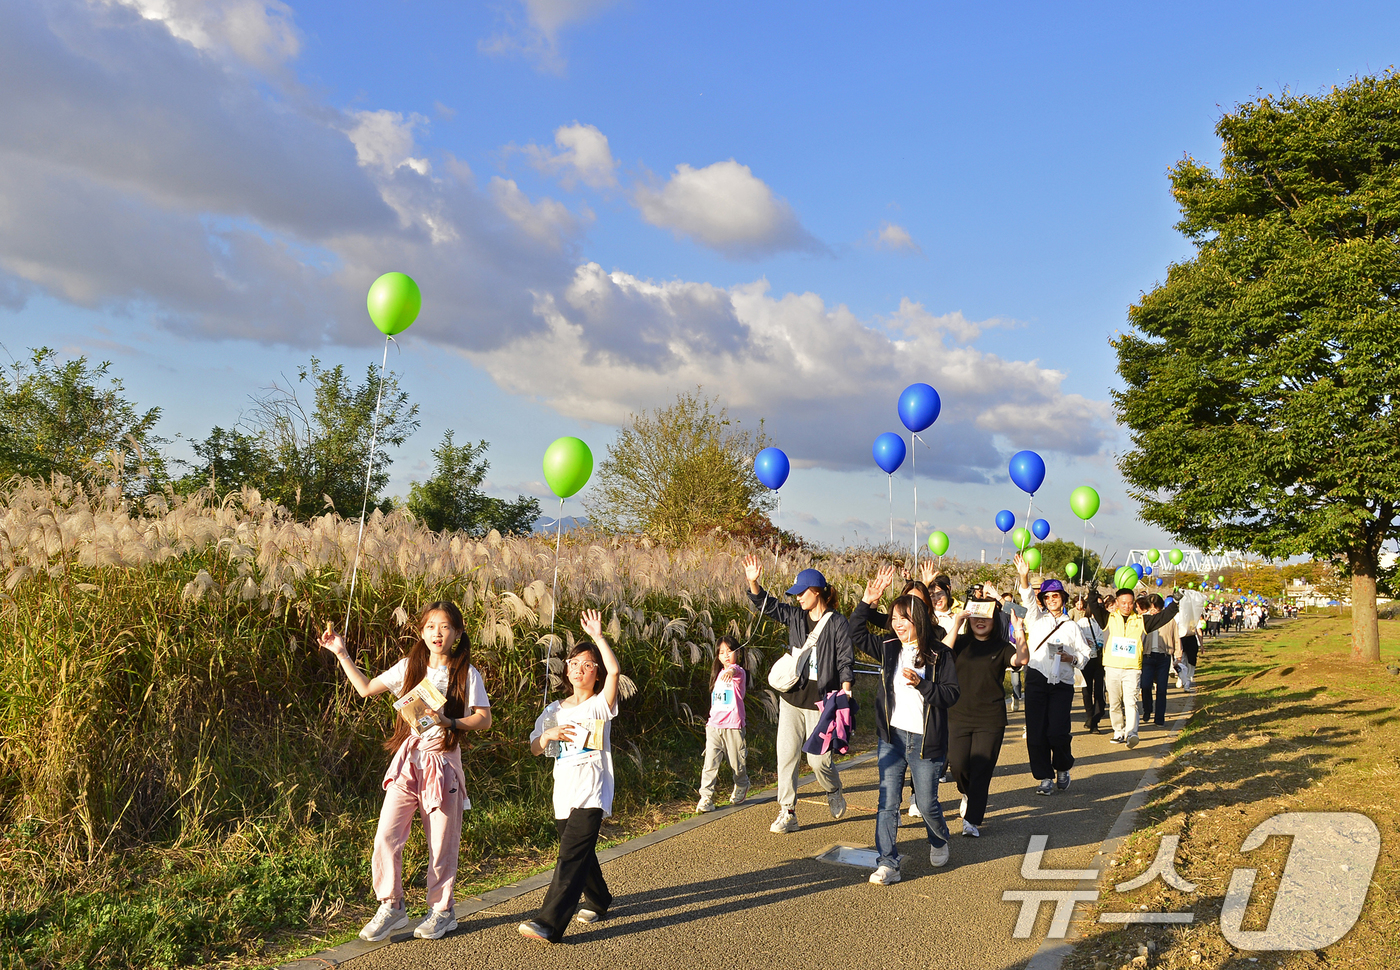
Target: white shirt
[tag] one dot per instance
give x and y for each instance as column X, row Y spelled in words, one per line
column 1045, row 646
column 1092, row 632
column 438, row 677
column 906, row 703
column 583, row 767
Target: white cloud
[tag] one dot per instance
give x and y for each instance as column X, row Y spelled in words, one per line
column 583, row 156
column 384, row 140
column 891, row 236
column 547, row 221
column 260, row 32
column 825, row 381
column 538, row 38
column 726, row 207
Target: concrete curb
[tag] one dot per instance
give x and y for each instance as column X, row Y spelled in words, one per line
column 1052, row 953
column 345, row 952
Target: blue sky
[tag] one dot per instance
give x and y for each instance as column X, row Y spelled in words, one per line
column 800, row 207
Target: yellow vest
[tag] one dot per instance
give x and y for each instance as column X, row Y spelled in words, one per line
column 1117, row 652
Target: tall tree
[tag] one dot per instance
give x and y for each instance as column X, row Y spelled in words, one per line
column 453, row 499
column 1055, row 554
column 308, row 457
column 679, row 471
column 1261, row 377
column 73, row 419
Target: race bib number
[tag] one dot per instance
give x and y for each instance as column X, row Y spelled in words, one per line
column 1123, row 647
column 723, row 697
column 587, row 744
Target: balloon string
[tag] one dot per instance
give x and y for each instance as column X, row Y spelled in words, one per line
column 914, row 473
column 891, row 488
column 369, row 469
column 554, row 597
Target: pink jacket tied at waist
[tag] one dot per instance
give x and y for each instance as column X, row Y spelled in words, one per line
column 442, row 770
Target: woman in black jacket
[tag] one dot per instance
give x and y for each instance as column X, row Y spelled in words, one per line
column 918, row 684
column 830, row 668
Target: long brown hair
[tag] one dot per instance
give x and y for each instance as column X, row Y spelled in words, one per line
column 458, row 673
column 927, row 633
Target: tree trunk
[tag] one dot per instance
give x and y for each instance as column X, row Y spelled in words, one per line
column 1365, row 630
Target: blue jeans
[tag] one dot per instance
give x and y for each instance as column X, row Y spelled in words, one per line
column 901, row 751
column 1156, row 668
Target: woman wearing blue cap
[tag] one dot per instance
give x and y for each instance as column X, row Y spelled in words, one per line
column 1057, row 649
column 815, row 625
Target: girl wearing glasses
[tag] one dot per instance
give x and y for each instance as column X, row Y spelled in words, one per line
column 577, row 733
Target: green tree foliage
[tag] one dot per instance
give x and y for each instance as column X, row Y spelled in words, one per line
column 1056, row 553
column 309, row 460
column 679, row 471
column 72, row 419
column 452, row 498
column 1260, row 379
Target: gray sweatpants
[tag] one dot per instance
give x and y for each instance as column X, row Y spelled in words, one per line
column 795, row 725
column 719, row 744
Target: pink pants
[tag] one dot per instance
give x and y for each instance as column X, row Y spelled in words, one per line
column 435, row 792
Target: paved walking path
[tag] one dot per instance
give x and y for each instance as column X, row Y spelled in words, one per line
column 729, row 894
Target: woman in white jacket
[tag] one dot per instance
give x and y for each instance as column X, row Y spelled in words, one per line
column 1057, row 649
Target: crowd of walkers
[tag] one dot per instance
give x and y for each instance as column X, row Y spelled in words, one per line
column 941, row 714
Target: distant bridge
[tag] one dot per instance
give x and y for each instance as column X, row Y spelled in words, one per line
column 1192, row 561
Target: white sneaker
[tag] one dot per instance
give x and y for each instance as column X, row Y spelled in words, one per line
column 737, row 796
column 785, row 822
column 971, row 830
column 837, row 803
column 885, row 875
column 914, row 810
column 962, row 809
column 439, row 923
column 705, row 804
column 386, row 920
column 938, row 855
column 586, row 916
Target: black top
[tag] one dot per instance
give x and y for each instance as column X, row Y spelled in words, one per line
column 939, row 686
column 982, row 666
column 835, row 658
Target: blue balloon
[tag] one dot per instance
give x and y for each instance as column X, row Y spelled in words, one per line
column 1137, row 568
column 1147, row 570
column 1006, row 520
column 1159, row 583
column 1041, row 528
column 889, row 452
column 1027, row 471
column 771, row 466
column 919, row 406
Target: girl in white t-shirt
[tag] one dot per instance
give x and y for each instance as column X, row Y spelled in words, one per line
column 577, row 733
column 425, row 775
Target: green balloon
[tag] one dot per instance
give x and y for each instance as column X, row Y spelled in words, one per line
column 1220, row 579
column 567, row 466
column 1174, row 557
column 1032, row 557
column 1020, row 538
column 394, row 302
column 1084, row 502
column 1071, row 569
column 938, row 543
column 1153, row 555
column 1126, row 578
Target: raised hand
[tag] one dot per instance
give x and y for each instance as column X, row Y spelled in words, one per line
column 881, row 581
column 928, row 572
column 333, row 642
column 752, row 568
column 592, row 622
column 1022, row 570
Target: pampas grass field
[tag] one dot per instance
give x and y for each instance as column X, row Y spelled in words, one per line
column 184, row 773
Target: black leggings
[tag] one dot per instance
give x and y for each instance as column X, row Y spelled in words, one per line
column 576, row 874
column 973, row 751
